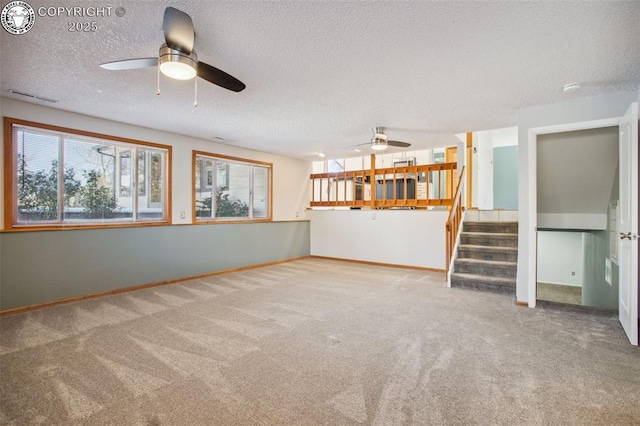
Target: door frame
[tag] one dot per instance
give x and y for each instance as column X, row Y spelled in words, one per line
column 531, row 231
column 451, row 178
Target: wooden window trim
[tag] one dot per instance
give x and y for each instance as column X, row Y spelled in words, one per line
column 194, row 219
column 10, row 211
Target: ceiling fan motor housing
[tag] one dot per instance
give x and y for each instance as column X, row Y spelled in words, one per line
column 379, row 133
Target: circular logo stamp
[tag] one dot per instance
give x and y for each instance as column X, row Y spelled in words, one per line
column 17, row 17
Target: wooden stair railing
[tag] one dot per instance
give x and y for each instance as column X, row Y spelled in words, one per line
column 454, row 219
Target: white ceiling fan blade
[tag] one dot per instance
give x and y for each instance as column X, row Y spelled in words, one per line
column 130, row 64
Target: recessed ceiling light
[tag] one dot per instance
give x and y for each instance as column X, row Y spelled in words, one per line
column 570, row 87
column 321, row 154
column 356, row 149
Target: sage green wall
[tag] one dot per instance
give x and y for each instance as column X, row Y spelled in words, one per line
column 595, row 291
column 0, row 271
column 505, row 177
column 39, row 267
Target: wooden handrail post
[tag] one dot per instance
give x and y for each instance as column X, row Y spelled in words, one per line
column 373, row 181
column 453, row 221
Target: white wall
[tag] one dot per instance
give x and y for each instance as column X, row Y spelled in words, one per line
column 560, row 258
column 542, row 119
column 290, row 176
column 507, row 136
column 398, row 237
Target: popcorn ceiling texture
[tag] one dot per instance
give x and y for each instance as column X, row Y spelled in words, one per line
column 320, row 75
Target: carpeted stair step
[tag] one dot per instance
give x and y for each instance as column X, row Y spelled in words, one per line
column 505, row 254
column 493, row 268
column 491, row 227
column 489, row 239
column 483, row 283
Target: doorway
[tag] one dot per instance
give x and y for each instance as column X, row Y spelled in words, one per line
column 577, row 182
column 628, row 125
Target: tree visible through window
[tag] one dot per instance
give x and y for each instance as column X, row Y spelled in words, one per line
column 231, row 188
column 59, row 177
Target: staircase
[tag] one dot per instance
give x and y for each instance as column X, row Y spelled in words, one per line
column 487, row 257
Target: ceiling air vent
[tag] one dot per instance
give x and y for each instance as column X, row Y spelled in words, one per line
column 29, row 95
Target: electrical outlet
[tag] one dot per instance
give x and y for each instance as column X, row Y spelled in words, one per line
column 183, row 215
column 573, row 273
column 373, row 216
column 297, row 214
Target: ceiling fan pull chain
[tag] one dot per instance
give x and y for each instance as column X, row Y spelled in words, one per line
column 195, row 100
column 158, row 89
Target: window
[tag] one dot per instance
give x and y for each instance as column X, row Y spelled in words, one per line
column 227, row 188
column 125, row 173
column 62, row 177
column 335, row 166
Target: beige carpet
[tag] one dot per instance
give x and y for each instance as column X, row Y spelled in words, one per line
column 315, row 342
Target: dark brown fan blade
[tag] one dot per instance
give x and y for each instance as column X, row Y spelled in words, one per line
column 130, row 64
column 178, row 30
column 219, row 77
column 399, row 144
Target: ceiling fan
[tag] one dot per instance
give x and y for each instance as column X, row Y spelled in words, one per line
column 379, row 141
column 177, row 59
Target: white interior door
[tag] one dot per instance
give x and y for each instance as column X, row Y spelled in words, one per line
column 628, row 224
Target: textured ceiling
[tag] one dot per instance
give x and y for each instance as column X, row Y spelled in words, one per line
column 321, row 74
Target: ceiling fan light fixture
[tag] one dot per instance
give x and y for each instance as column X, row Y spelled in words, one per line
column 378, row 144
column 177, row 65
column 178, row 70
column 177, row 59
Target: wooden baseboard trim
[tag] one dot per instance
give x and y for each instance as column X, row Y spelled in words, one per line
column 74, row 299
column 521, row 304
column 389, row 265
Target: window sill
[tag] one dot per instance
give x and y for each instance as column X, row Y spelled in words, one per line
column 228, row 221
column 36, row 228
